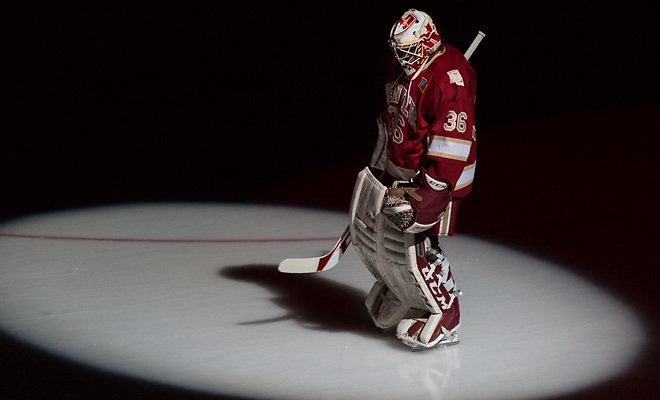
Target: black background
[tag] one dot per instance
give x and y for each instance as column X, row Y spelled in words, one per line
column 118, row 102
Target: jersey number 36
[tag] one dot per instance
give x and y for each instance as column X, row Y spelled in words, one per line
column 456, row 121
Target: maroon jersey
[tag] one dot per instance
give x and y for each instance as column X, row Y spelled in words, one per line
column 430, row 122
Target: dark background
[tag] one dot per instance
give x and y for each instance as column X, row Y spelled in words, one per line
column 275, row 102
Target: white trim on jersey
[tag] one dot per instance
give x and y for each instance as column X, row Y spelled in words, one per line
column 446, row 147
column 466, row 177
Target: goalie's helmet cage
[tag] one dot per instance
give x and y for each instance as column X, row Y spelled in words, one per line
column 413, row 39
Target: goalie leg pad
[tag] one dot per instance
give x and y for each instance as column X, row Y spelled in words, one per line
column 386, row 310
column 381, row 247
column 365, row 207
column 384, row 307
column 431, row 273
column 433, row 278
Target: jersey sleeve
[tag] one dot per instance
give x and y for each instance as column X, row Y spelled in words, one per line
column 451, row 135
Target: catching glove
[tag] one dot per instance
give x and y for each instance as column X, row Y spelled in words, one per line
column 416, row 206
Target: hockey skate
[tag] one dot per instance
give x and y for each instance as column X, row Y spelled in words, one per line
column 434, row 331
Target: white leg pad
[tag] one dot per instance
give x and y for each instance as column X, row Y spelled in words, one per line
column 385, row 309
column 386, row 252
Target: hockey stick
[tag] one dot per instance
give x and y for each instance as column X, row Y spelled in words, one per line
column 324, row 263
column 316, row 264
column 474, row 44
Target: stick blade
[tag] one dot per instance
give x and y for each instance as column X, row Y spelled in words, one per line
column 317, row 264
column 299, row 265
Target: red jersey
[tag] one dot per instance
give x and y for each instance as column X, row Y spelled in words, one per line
column 430, row 121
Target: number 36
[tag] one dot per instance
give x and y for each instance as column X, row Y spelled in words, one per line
column 456, row 121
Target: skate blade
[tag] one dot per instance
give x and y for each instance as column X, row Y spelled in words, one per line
column 437, row 346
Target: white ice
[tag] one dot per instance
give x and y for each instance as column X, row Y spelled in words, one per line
column 189, row 295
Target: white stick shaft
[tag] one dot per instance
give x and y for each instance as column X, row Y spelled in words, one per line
column 474, row 44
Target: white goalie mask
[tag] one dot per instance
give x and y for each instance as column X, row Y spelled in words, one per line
column 413, row 39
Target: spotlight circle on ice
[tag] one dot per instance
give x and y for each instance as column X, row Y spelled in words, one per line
column 189, row 295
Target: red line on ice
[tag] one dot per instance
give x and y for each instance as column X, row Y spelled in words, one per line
column 137, row 240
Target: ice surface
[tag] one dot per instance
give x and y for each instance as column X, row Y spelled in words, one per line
column 190, row 295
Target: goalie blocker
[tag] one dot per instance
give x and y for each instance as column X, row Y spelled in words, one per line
column 414, row 287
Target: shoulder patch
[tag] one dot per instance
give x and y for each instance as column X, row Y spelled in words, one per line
column 455, row 77
column 422, row 85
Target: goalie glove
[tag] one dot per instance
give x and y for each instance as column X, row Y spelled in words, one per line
column 414, row 207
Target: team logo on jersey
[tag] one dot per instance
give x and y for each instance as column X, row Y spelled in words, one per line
column 422, row 84
column 455, row 77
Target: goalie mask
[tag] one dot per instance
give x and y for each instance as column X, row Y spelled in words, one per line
column 413, row 39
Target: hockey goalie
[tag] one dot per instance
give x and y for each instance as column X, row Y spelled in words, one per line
column 422, row 167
